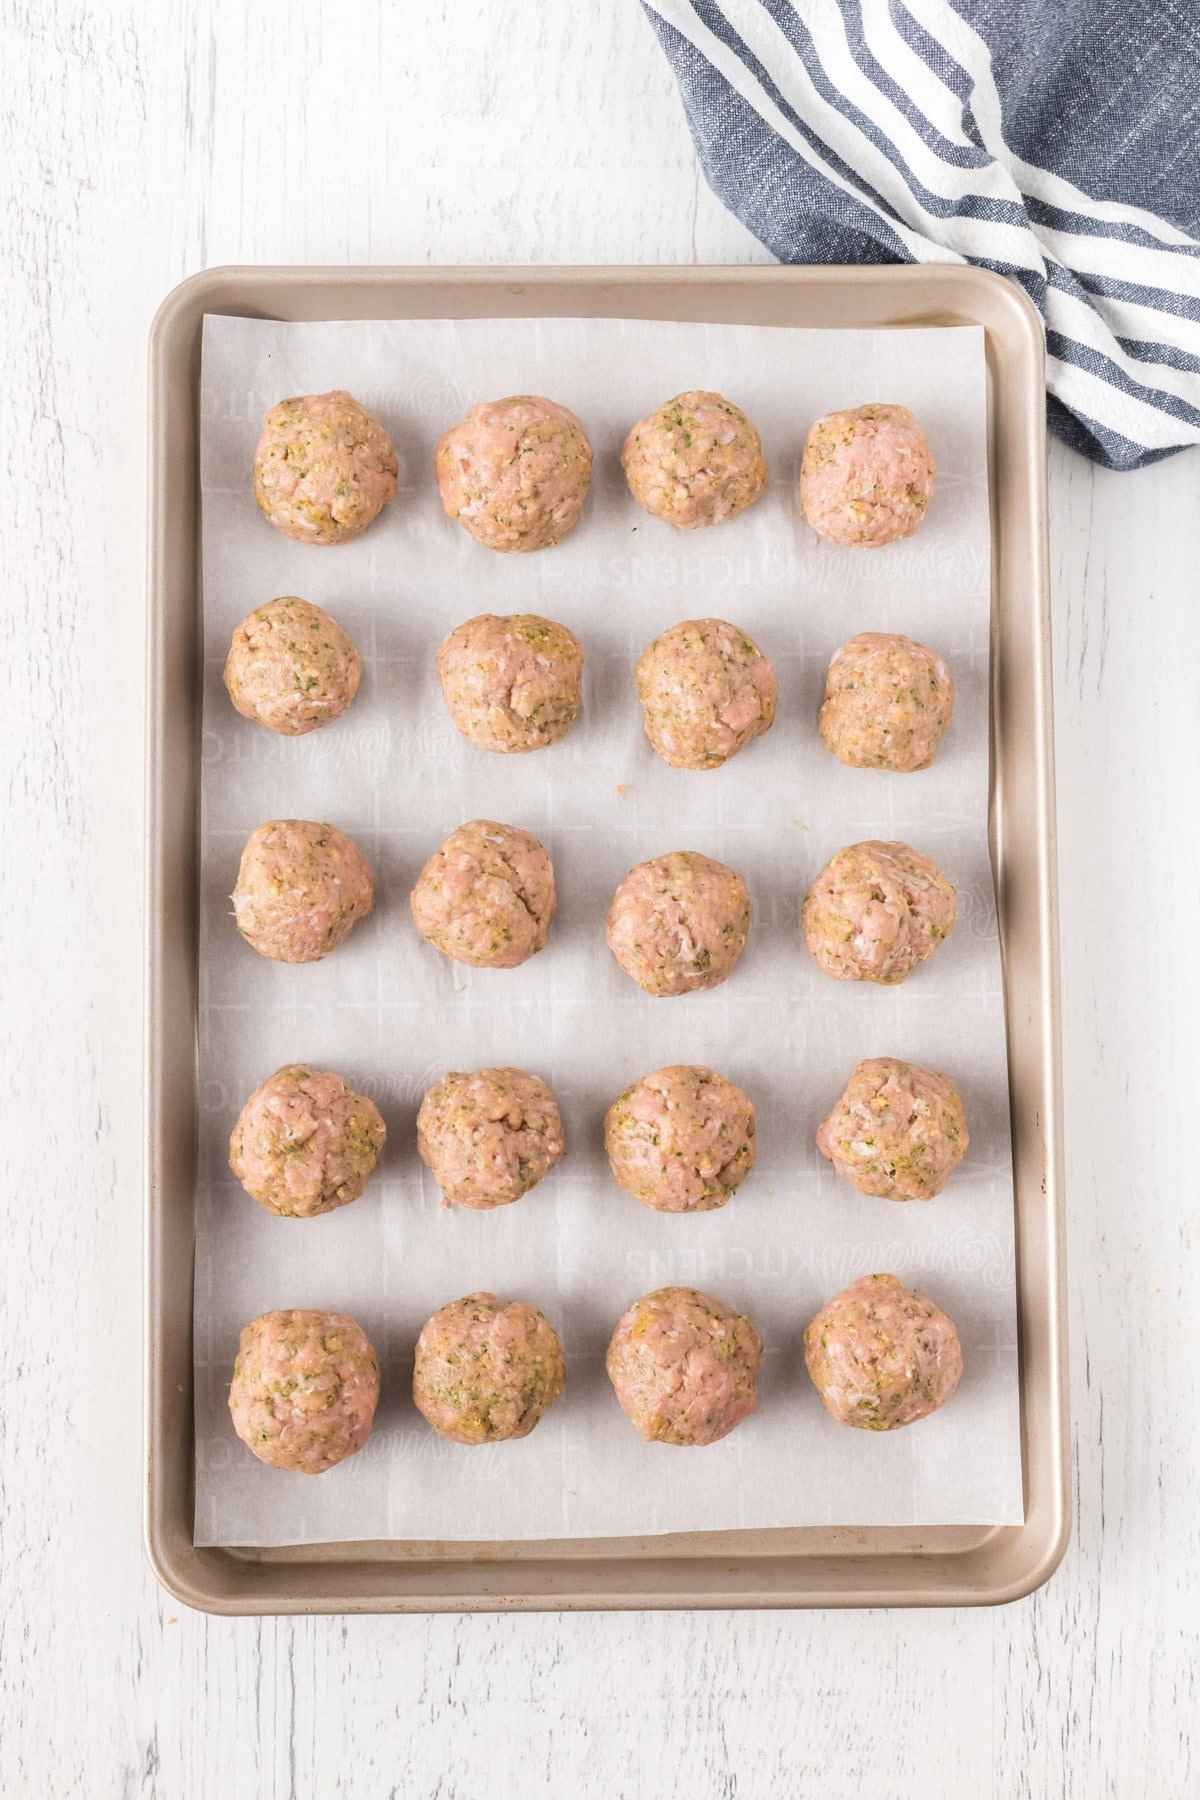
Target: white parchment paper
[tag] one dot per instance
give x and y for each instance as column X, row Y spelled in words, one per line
column 391, row 1014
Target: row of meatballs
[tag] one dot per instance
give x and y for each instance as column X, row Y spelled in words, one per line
column 512, row 684
column 515, row 472
column 677, row 923
column 680, row 1140
column 683, row 1367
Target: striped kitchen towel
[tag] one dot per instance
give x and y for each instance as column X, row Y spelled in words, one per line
column 1055, row 141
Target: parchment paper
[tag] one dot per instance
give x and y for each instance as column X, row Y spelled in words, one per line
column 391, row 1014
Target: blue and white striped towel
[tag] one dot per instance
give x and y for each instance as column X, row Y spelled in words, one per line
column 1056, row 141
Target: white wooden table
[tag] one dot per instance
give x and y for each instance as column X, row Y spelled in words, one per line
column 138, row 144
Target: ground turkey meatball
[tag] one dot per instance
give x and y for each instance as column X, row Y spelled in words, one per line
column 487, row 896
column 876, row 911
column 489, row 1137
column 486, row 1370
column 706, row 690
column 881, row 1357
column 866, row 476
column 516, row 472
column 511, row 683
column 306, row 1143
column 301, row 889
column 683, row 1367
column 680, row 1140
column 679, row 923
column 887, row 703
column 898, row 1131
column 324, row 468
column 291, row 668
column 304, row 1390
column 696, row 461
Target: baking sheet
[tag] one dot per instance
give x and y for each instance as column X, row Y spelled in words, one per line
column 390, row 1014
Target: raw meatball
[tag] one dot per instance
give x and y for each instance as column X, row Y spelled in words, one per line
column 489, row 1137
column 706, row 690
column 875, row 911
column 304, row 1390
column 679, row 922
column 324, row 468
column 486, row 1370
column 291, row 668
column 696, row 461
column 680, row 1140
column 301, row 888
column 511, row 683
column 516, row 472
column 866, row 476
column 898, row 1131
column 306, row 1143
column 683, row 1366
column 487, row 896
column 887, row 703
column 881, row 1357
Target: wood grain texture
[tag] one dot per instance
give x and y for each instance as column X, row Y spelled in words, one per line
column 138, row 143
